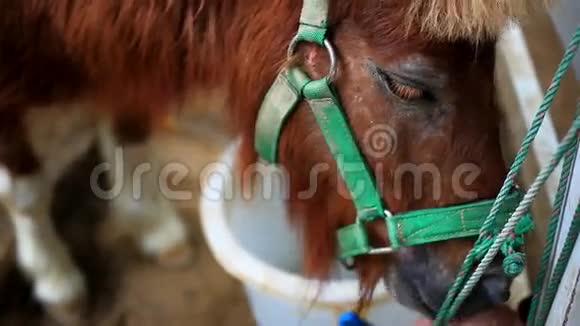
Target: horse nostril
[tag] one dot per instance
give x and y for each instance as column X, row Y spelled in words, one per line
column 496, row 286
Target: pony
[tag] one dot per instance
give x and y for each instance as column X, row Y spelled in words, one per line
column 424, row 69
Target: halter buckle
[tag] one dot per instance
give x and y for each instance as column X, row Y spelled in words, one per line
column 383, row 250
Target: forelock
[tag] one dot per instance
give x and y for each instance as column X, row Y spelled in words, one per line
column 475, row 20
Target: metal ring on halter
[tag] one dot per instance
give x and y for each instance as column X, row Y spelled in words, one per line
column 331, row 54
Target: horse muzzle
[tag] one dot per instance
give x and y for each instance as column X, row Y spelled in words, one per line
column 421, row 281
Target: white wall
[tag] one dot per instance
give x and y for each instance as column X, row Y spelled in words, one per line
column 566, row 16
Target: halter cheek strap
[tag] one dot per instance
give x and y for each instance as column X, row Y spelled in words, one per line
column 293, row 86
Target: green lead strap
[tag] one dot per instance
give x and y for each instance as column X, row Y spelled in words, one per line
column 284, row 96
column 314, row 13
column 338, row 137
column 280, row 101
column 286, row 91
column 313, row 23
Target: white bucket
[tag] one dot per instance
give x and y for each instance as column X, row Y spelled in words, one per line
column 252, row 241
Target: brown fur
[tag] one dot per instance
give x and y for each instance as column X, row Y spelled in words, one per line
column 138, row 58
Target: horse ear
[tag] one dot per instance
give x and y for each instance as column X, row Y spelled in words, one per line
column 475, row 20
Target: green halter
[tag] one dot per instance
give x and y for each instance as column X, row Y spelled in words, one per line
column 291, row 87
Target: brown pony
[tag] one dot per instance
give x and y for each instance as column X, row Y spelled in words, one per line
column 424, row 69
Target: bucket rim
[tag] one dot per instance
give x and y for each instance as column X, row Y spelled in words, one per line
column 250, row 270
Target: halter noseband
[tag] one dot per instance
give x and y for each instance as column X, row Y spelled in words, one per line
column 292, row 85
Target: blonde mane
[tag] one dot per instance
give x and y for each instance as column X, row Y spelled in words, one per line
column 475, row 20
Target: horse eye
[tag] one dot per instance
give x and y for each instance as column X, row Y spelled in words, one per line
column 402, row 90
